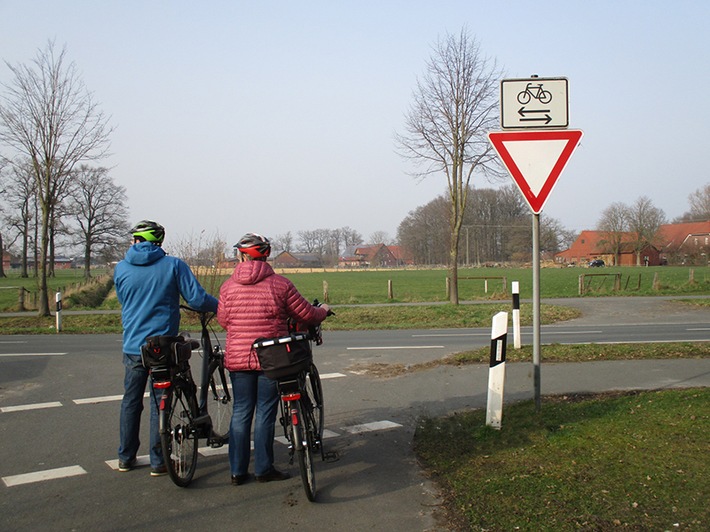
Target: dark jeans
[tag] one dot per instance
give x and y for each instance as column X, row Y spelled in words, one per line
column 134, row 384
column 255, row 396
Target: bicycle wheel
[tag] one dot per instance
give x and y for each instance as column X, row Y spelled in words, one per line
column 299, row 429
column 177, row 438
column 219, row 403
column 316, row 412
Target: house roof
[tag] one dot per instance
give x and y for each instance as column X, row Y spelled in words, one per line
column 675, row 235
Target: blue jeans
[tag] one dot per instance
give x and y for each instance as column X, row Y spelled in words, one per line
column 255, row 396
column 134, row 384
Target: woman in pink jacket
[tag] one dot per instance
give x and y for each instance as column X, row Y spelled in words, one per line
column 255, row 303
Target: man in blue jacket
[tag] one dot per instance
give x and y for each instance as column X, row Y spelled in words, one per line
column 149, row 284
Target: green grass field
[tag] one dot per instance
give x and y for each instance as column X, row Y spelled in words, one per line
column 617, row 461
column 366, row 287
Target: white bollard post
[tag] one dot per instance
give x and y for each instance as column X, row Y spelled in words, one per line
column 58, row 299
column 496, row 371
column 516, row 314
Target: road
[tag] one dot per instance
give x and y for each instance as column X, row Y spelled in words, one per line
column 60, row 394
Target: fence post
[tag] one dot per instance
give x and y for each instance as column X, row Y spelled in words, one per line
column 21, row 299
column 580, row 288
column 390, row 292
column 325, row 292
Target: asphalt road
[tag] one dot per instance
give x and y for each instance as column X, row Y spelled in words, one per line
column 59, row 401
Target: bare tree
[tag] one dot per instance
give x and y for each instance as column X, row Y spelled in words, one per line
column 424, row 232
column 21, row 189
column 380, row 237
column 455, row 105
column 48, row 115
column 98, row 206
column 645, row 221
column 613, row 224
column 700, row 204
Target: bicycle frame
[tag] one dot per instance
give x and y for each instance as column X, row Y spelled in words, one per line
column 183, row 421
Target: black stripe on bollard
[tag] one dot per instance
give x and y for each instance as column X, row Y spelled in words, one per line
column 498, row 348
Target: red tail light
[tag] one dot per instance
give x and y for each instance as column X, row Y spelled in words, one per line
column 161, row 385
column 291, row 396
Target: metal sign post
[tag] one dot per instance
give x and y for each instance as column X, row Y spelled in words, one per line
column 535, row 155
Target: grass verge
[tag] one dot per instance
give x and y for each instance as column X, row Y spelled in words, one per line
column 636, row 461
column 347, row 318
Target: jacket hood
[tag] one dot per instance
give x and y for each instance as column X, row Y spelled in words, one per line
column 252, row 271
column 144, row 253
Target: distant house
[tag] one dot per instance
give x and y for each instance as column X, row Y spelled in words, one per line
column 678, row 244
column 60, row 262
column 287, row 259
column 686, row 243
column 377, row 256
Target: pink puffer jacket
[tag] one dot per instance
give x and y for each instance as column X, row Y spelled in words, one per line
column 255, row 303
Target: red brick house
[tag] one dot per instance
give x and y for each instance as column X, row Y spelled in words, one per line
column 679, row 244
column 377, row 256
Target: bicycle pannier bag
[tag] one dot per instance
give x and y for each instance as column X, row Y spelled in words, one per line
column 281, row 357
column 165, row 351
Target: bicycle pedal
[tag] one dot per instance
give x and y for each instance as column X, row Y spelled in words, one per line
column 216, row 444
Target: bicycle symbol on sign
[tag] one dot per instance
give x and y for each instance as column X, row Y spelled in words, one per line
column 536, row 92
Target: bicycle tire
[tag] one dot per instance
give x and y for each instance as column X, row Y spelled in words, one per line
column 317, row 413
column 303, row 450
column 220, row 403
column 177, row 437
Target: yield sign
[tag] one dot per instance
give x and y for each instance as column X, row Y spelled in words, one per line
column 535, row 159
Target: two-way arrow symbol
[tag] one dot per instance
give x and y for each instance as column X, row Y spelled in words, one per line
column 524, row 112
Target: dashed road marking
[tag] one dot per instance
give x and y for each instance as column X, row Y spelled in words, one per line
column 39, row 476
column 31, row 354
column 35, row 406
column 370, row 427
column 391, row 347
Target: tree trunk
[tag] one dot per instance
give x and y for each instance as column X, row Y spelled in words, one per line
column 43, row 304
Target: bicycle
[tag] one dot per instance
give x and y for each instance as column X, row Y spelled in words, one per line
column 534, row 92
column 186, row 418
column 289, row 361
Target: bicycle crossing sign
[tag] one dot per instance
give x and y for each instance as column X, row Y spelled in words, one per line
column 534, row 103
column 535, row 159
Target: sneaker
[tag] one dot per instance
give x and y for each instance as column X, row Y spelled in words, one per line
column 158, row 471
column 272, row 475
column 238, row 480
column 126, row 466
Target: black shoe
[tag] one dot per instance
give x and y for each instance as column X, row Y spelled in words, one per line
column 126, row 466
column 238, row 480
column 158, row 471
column 272, row 475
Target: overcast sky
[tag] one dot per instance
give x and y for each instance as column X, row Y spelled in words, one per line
column 276, row 116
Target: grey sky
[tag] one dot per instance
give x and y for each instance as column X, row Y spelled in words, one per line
column 276, row 116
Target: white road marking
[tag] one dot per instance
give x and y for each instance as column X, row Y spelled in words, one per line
column 395, row 347
column 35, row 406
column 332, row 376
column 103, row 399
column 38, row 476
column 31, row 354
column 370, row 427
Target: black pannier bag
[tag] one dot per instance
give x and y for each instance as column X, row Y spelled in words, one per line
column 285, row 356
column 166, row 352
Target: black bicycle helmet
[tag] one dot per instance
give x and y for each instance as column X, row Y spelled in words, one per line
column 149, row 230
column 254, row 245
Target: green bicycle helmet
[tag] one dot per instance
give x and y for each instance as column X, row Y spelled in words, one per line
column 149, row 230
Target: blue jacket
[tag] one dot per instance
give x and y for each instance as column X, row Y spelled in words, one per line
column 149, row 284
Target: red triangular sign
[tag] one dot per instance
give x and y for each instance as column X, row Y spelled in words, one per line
column 535, row 159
